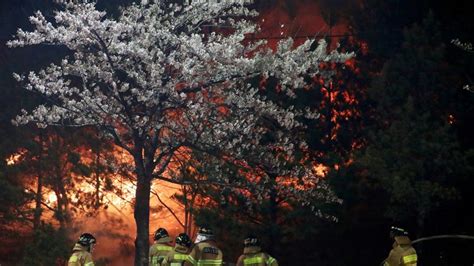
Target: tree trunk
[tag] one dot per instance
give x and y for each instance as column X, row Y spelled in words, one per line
column 38, row 201
column 142, row 215
column 62, row 201
column 188, row 205
column 39, row 187
column 62, row 208
column 97, row 180
column 59, row 210
column 186, row 210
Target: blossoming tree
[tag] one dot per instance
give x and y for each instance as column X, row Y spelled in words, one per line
column 466, row 46
column 164, row 77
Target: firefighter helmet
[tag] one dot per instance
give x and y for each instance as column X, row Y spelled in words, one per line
column 204, row 230
column 251, row 241
column 397, row 231
column 86, row 239
column 183, row 240
column 160, row 233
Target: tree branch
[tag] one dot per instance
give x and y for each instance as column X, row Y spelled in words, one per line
column 167, row 207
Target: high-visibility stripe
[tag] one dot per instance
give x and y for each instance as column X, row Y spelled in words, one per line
column 270, row 260
column 163, row 248
column 73, row 258
column 180, row 256
column 209, row 262
column 254, row 260
column 410, row 258
column 89, row 264
column 191, row 260
column 154, row 261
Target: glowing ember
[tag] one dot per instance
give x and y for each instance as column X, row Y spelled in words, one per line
column 451, row 119
column 16, row 157
column 320, row 170
column 52, row 197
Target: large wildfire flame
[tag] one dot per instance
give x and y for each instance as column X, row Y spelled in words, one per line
column 113, row 225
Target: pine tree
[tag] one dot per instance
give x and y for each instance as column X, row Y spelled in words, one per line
column 413, row 153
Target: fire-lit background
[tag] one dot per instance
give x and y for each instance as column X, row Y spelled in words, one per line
column 394, row 140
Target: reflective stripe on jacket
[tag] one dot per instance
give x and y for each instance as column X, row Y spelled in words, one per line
column 259, row 260
column 176, row 257
column 402, row 253
column 253, row 256
column 80, row 257
column 158, row 251
column 205, row 254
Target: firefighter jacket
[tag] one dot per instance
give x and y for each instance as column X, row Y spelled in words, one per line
column 176, row 257
column 205, row 253
column 159, row 250
column 402, row 253
column 80, row 256
column 253, row 256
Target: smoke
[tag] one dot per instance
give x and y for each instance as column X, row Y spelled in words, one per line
column 114, row 227
column 114, row 233
column 299, row 19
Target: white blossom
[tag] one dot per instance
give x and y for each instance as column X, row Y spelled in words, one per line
column 167, row 75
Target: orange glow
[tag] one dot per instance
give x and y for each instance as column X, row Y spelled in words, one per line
column 279, row 22
column 320, row 170
column 16, row 157
column 51, row 197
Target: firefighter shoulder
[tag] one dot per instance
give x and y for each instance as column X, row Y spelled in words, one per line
column 160, row 247
column 205, row 252
column 179, row 254
column 81, row 253
column 402, row 252
column 253, row 254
